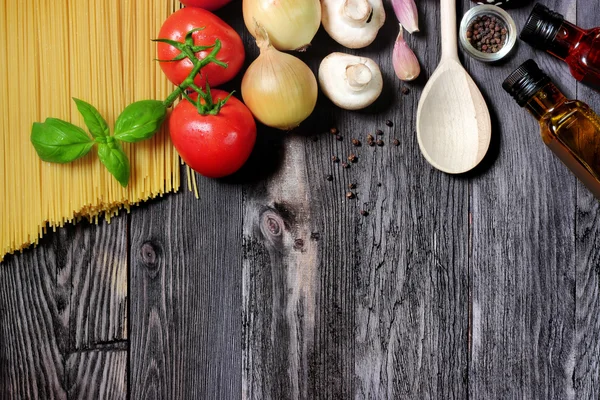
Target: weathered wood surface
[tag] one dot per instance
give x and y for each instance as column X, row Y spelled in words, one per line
column 273, row 286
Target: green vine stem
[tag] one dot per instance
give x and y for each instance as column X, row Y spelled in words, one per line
column 188, row 50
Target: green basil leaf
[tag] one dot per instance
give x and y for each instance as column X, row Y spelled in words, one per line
column 140, row 120
column 115, row 160
column 92, row 118
column 59, row 141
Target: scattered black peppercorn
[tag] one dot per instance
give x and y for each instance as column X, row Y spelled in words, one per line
column 405, row 90
column 298, row 244
column 396, row 142
column 335, row 159
column 380, row 143
column 333, row 131
column 379, row 132
column 389, row 123
column 364, row 213
column 352, row 158
column 339, row 138
column 487, row 34
column 356, row 142
column 352, row 186
column 329, row 178
column 345, row 165
column 379, row 184
column 350, row 195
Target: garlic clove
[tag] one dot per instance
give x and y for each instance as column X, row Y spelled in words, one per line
column 406, row 12
column 350, row 82
column 353, row 23
column 405, row 62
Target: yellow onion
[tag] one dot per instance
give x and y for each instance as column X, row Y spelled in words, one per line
column 279, row 89
column 291, row 24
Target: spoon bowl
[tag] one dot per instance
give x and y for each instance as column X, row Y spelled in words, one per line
column 453, row 121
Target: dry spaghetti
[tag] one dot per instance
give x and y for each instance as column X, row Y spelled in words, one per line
column 95, row 50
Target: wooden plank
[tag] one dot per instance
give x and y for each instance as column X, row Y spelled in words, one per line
column 69, row 293
column 586, row 374
column 93, row 285
column 185, row 288
column 31, row 363
column 523, row 280
column 411, row 252
column 279, row 283
column 379, row 328
column 97, row 374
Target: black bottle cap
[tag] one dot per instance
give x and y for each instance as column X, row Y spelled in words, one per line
column 541, row 27
column 525, row 81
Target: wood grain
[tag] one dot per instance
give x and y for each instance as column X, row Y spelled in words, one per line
column 185, row 288
column 31, row 363
column 97, row 374
column 586, row 374
column 279, row 283
column 274, row 286
column 523, row 276
column 66, row 295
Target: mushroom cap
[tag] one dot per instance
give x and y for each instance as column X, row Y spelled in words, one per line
column 350, row 82
column 350, row 23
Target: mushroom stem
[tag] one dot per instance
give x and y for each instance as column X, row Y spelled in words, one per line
column 356, row 11
column 358, row 76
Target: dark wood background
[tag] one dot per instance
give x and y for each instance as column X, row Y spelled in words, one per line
column 273, row 286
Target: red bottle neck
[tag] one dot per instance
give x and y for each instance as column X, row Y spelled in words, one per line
column 566, row 40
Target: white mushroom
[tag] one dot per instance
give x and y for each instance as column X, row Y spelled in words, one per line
column 349, row 81
column 352, row 23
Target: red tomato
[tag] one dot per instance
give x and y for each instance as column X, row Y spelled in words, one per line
column 213, row 145
column 178, row 25
column 206, row 4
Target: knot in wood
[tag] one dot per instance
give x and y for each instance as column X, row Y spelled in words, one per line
column 149, row 255
column 298, row 244
column 272, row 225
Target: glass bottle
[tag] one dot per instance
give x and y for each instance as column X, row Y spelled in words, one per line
column 568, row 127
column 579, row 48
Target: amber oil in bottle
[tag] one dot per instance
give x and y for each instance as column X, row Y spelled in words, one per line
column 568, row 127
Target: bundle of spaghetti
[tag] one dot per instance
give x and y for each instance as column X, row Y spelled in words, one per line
column 95, row 50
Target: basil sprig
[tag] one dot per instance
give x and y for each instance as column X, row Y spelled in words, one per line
column 62, row 142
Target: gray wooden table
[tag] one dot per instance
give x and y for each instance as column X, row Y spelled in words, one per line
column 274, row 286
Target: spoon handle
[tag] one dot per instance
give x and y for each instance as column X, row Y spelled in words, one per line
column 449, row 34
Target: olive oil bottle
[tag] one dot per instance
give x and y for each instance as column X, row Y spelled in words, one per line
column 568, row 127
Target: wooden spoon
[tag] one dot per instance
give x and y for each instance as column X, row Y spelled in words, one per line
column 453, row 122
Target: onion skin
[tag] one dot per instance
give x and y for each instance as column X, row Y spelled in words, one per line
column 290, row 24
column 279, row 89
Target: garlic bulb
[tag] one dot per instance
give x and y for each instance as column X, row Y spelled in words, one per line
column 279, row 89
column 290, row 24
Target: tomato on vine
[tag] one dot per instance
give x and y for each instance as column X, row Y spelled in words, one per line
column 214, row 137
column 208, row 28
